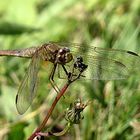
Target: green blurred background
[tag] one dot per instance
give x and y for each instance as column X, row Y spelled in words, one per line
column 114, row 113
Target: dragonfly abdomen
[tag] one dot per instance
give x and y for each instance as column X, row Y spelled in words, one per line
column 28, row 52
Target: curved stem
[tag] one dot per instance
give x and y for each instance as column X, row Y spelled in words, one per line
column 57, row 134
column 59, row 95
column 63, row 131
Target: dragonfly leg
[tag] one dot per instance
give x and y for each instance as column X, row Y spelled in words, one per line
column 52, row 80
column 65, row 70
column 69, row 73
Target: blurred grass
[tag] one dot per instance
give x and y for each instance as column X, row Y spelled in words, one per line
column 115, row 111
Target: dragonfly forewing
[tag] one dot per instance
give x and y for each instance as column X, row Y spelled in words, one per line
column 103, row 63
column 130, row 59
column 105, row 69
column 28, row 87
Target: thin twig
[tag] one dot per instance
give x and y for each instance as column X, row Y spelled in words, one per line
column 59, row 95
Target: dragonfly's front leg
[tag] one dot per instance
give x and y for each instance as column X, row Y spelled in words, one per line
column 52, row 80
column 65, row 70
column 68, row 73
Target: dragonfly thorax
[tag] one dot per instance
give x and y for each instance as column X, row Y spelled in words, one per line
column 63, row 56
column 55, row 54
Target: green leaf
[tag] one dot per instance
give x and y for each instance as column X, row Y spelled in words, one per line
column 9, row 28
column 17, row 132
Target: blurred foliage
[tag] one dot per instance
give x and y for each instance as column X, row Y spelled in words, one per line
column 114, row 113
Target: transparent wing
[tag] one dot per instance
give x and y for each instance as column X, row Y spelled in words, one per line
column 99, row 69
column 28, row 87
column 105, row 64
column 105, row 69
column 130, row 59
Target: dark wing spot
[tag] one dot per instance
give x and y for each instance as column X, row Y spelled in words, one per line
column 16, row 98
column 133, row 53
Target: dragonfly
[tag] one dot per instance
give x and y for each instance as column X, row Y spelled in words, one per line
column 101, row 64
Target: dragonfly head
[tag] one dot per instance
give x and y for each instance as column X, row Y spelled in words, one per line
column 64, row 56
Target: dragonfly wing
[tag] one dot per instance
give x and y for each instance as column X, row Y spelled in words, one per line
column 28, row 87
column 130, row 59
column 105, row 69
column 98, row 69
column 106, row 64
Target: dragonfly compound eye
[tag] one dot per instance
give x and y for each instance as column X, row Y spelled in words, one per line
column 64, row 56
column 68, row 57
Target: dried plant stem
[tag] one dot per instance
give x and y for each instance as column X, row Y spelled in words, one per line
column 59, row 95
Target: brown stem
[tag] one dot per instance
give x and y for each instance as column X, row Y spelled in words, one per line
column 59, row 95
